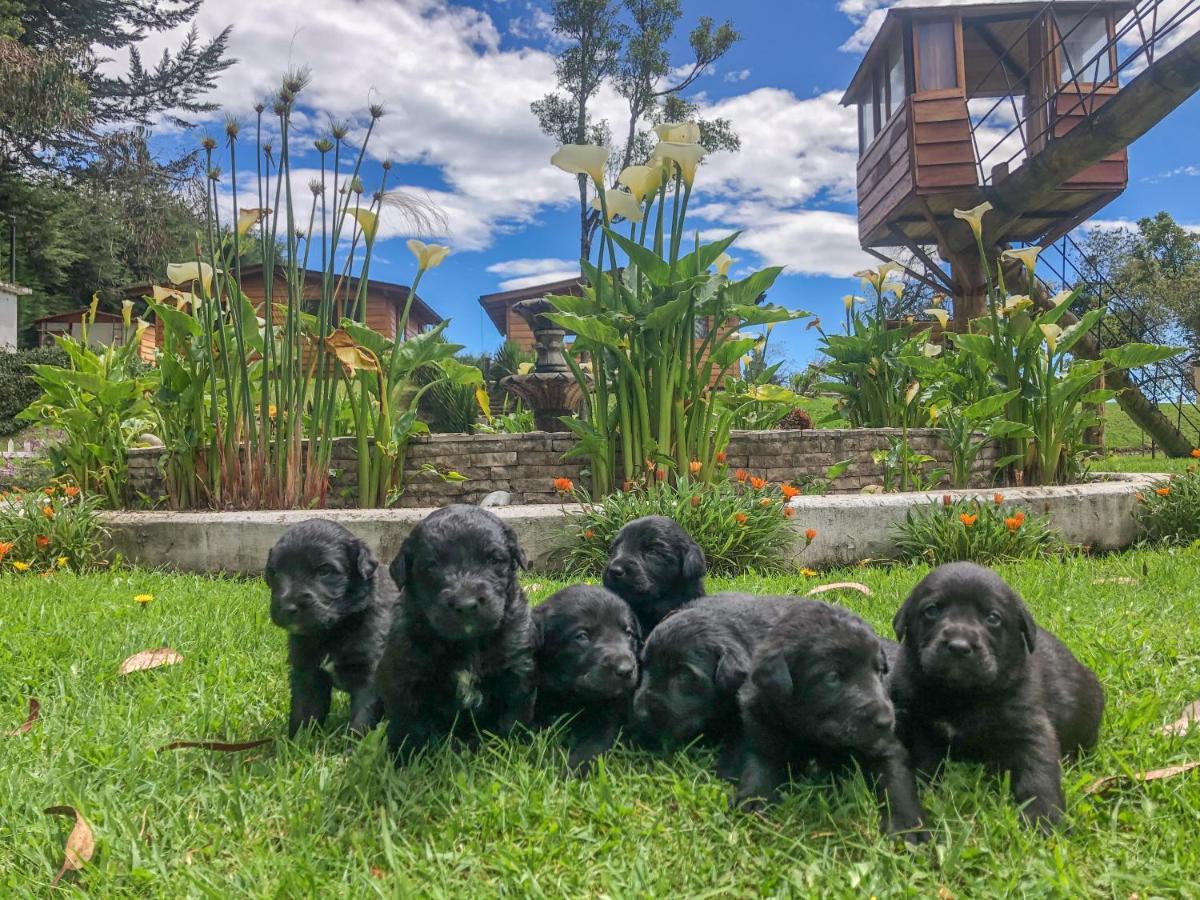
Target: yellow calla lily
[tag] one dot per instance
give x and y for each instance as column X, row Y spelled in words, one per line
column 641, row 180
column 353, row 356
column 678, row 132
column 1017, row 303
column 933, row 411
column 368, row 221
column 686, row 156
column 877, row 278
column 1061, row 297
column 620, row 203
column 1051, row 333
column 183, row 273
column 911, row 392
column 429, row 256
column 92, row 307
column 127, row 312
column 248, row 218
column 974, row 217
column 1026, row 255
column 582, row 159
column 722, row 264
column 931, row 350
column 163, row 294
column 142, row 325
column 937, row 299
column 941, row 315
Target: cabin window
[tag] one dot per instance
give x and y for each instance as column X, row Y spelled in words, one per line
column 896, row 86
column 866, row 125
column 1084, row 43
column 937, row 61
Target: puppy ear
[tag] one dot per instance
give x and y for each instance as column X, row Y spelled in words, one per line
column 694, row 564
column 402, row 564
column 1028, row 626
column 732, row 669
column 900, row 620
column 363, row 559
column 772, row 676
column 515, row 550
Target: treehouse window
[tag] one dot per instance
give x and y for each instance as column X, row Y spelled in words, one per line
column 937, row 62
column 866, row 126
column 896, row 86
column 1084, row 43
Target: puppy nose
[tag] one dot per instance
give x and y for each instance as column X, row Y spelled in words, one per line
column 622, row 666
column 464, row 603
column 884, row 720
column 959, row 646
column 617, row 568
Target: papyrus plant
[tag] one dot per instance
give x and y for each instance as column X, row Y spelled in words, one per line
column 658, row 327
column 253, row 391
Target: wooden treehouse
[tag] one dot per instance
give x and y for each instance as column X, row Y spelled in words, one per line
column 1028, row 106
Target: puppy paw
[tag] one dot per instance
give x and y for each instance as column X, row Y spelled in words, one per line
column 748, row 804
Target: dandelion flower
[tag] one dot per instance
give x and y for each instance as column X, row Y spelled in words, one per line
column 20, row 566
column 143, row 599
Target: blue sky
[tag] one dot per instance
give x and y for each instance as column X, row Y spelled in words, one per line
column 457, row 78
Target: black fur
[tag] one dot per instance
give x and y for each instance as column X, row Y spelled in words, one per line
column 327, row 592
column 692, row 667
column 587, row 641
column 818, row 693
column 978, row 680
column 655, row 567
column 459, row 658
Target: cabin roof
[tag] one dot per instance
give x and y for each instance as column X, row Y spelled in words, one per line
column 906, row 10
column 77, row 315
column 496, row 305
column 398, row 293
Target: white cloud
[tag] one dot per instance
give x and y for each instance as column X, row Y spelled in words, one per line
column 528, row 272
column 1184, row 171
column 738, row 75
column 1123, row 224
column 804, row 241
column 455, row 99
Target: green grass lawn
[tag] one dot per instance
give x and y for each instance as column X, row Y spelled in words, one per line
column 324, row 816
column 1140, row 462
column 1122, row 434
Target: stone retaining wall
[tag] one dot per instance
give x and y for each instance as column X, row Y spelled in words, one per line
column 526, row 465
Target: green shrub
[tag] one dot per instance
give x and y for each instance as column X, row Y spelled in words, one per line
column 51, row 528
column 17, row 387
column 741, row 525
column 951, row 530
column 1171, row 512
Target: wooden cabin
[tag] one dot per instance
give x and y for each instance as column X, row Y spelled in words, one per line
column 385, row 303
column 108, row 329
column 951, row 98
column 512, row 327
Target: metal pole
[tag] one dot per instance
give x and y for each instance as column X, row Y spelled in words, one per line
column 12, row 247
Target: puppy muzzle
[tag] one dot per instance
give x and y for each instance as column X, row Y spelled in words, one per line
column 960, row 658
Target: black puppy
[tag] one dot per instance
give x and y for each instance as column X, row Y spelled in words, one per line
column 655, row 567
column 817, row 693
column 459, row 658
column 326, row 591
column 978, row 680
column 587, row 641
column 693, row 664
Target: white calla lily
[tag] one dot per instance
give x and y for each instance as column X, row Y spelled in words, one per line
column 1027, row 255
column 582, row 159
column 1051, row 333
column 974, row 217
column 941, row 315
column 1061, row 297
column 620, row 203
column 911, row 392
column 849, row 300
column 686, row 156
column 641, row 180
column 248, row 218
column 931, row 350
column 429, row 256
column 722, row 264
column 127, row 312
column 184, row 273
column 1016, row 303
column 678, row 132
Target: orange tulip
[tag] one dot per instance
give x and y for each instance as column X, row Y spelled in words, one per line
column 967, row 520
column 998, row 498
column 694, row 467
column 1196, row 453
column 765, row 501
column 947, row 500
column 660, row 474
column 789, row 491
column 695, row 502
column 48, row 512
column 758, row 483
column 1162, row 492
column 5, row 546
column 42, row 541
column 627, row 486
column 71, row 491
column 1012, row 523
column 740, row 518
column 564, row 485
column 721, row 457
column 789, row 511
column 49, row 492
column 589, row 534
column 741, row 475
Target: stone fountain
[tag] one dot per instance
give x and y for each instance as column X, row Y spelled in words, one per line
column 550, row 390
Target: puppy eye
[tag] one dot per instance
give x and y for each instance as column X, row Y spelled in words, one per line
column 581, row 637
column 993, row 619
column 326, row 571
column 932, row 611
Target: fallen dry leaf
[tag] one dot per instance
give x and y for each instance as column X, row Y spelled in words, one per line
column 219, row 746
column 840, row 586
column 80, row 843
column 377, row 872
column 944, row 893
column 35, row 712
column 535, row 587
column 151, row 659
column 1123, row 579
column 1101, row 785
column 1189, row 717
